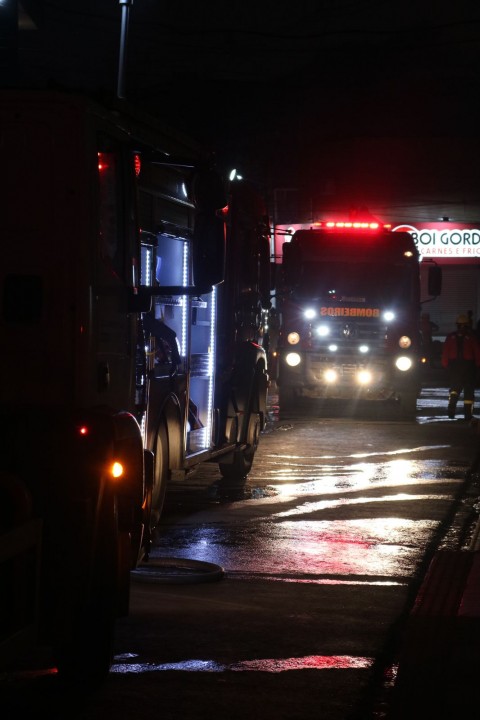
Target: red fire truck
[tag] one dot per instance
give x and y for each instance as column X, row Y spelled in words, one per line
column 349, row 307
column 134, row 284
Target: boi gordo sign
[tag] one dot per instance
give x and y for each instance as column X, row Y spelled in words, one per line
column 444, row 239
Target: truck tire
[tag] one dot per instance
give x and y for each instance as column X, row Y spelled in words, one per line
column 155, row 492
column 235, row 473
column 160, row 474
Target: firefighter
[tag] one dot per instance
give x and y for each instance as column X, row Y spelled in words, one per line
column 461, row 358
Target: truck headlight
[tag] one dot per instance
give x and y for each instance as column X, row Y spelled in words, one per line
column 293, row 359
column 364, row 377
column 330, row 375
column 322, row 330
column 403, row 363
column 293, row 338
column 404, row 342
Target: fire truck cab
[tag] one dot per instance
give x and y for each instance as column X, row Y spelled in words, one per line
column 349, row 303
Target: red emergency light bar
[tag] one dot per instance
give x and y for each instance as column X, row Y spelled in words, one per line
column 351, row 224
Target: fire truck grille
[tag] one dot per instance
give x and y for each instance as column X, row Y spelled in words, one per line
column 348, row 370
column 349, row 335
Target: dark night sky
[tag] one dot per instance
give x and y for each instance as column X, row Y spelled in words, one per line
column 287, row 91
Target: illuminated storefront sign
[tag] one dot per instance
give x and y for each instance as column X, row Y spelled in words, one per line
column 447, row 240
column 435, row 240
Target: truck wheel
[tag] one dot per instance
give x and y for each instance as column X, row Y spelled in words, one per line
column 160, row 474
column 235, row 473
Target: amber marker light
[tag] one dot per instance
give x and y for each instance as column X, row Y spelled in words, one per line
column 116, row 469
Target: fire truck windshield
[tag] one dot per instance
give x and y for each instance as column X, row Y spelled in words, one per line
column 354, row 282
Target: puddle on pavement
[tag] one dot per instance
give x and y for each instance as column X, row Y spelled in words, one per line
column 271, row 665
column 318, row 531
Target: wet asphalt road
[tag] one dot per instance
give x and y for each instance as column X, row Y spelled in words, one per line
column 318, row 562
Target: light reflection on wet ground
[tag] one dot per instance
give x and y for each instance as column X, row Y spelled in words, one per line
column 338, row 456
column 274, row 665
column 325, row 527
column 309, row 508
column 374, row 549
column 357, row 476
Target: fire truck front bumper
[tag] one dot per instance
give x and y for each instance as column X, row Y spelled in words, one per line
column 315, row 377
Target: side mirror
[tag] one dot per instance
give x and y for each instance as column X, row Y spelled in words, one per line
column 208, row 251
column 209, row 198
column 435, row 280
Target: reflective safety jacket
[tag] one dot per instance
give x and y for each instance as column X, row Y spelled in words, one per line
column 461, row 346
